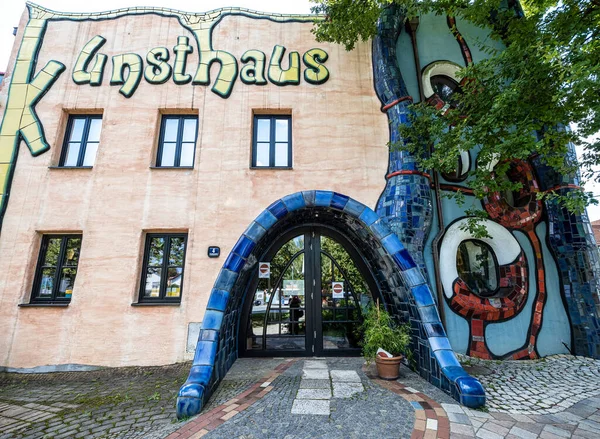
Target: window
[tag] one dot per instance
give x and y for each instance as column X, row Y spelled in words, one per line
column 81, row 141
column 477, row 267
column 177, row 144
column 57, row 268
column 446, row 88
column 162, row 275
column 272, row 142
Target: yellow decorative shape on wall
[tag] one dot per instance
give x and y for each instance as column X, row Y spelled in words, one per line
column 316, row 73
column 80, row 73
column 253, row 73
column 158, row 70
column 132, row 62
column 279, row 76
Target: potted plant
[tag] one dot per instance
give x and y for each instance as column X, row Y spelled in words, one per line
column 381, row 332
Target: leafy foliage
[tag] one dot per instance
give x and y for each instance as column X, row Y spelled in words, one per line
column 514, row 104
column 381, row 331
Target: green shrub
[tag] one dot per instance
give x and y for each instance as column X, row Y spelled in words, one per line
column 381, row 331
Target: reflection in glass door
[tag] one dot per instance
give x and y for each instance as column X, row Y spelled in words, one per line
column 312, row 303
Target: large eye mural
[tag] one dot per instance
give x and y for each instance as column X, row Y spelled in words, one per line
column 484, row 280
column 441, row 84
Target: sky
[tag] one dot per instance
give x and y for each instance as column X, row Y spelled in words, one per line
column 12, row 10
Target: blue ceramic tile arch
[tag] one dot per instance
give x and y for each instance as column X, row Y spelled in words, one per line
column 213, row 358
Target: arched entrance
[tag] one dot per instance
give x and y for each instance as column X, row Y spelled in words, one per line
column 309, row 298
column 400, row 283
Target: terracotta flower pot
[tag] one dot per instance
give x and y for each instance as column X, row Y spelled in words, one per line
column 388, row 368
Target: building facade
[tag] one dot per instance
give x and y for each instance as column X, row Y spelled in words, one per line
column 208, row 185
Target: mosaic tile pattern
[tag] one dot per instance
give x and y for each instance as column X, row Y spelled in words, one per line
column 405, row 293
column 572, row 242
column 406, row 205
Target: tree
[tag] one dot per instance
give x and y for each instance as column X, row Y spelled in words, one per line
column 513, row 105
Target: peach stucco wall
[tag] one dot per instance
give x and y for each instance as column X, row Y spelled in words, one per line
column 339, row 139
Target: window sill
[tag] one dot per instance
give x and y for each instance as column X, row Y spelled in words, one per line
column 271, row 168
column 172, row 167
column 70, row 167
column 156, row 304
column 43, row 305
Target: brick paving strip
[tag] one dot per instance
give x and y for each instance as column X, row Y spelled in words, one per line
column 431, row 420
column 207, row 422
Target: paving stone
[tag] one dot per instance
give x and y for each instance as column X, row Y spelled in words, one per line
column 523, row 434
column 459, row 418
column 312, row 364
column 346, row 390
column 313, row 394
column 315, row 384
column 345, row 375
column 452, row 408
column 556, row 431
column 487, row 434
column 315, row 374
column 310, row 407
column 466, row 430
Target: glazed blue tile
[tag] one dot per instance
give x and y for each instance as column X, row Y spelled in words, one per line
column 278, row 209
column 226, row 280
column 454, row 372
column 200, row 374
column 392, row 244
column 323, row 198
column 437, row 343
column 446, row 358
column 429, row 314
column 416, row 405
column 218, row 300
column 412, row 277
column 209, row 335
column 309, row 198
column 187, row 407
column 354, row 208
column 205, row 353
column 368, row 217
column 404, row 260
column 244, row 246
column 434, row 330
column 470, row 386
column 294, row 201
column 193, row 389
column 212, row 320
column 380, row 229
column 234, row 262
column 339, row 201
column 255, row 231
column 422, row 295
column 266, row 219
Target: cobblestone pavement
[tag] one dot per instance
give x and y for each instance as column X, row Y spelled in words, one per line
column 558, row 397
column 111, row 403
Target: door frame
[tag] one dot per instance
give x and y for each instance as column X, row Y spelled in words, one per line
column 276, row 243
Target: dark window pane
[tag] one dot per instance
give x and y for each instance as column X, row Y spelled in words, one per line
column 77, row 130
column 72, row 154
column 263, row 130
column 176, row 252
column 72, row 252
column 65, row 285
column 446, row 88
column 94, row 133
column 189, row 130
column 52, row 252
column 152, row 283
column 46, row 283
column 157, row 246
column 171, row 129
column 476, row 266
column 174, row 282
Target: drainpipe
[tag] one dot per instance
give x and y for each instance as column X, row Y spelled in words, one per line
column 412, row 26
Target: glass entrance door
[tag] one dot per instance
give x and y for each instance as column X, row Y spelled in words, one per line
column 308, row 301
